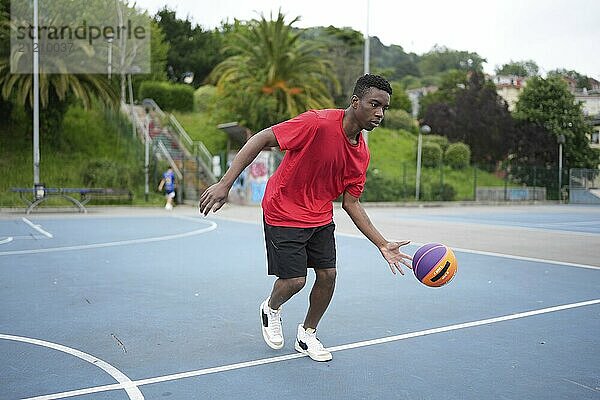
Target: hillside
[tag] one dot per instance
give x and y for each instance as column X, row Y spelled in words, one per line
column 95, row 145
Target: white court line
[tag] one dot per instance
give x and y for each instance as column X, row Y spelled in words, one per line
column 537, row 260
column 132, row 390
column 489, row 253
column 212, row 226
column 485, row 253
column 247, row 364
column 37, row 228
column 7, row 240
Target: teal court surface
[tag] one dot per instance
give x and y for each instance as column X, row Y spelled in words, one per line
column 130, row 303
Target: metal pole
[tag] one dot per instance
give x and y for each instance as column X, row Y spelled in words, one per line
column 559, row 172
column 147, row 156
column 418, row 179
column 109, row 67
column 425, row 129
column 133, row 118
column 561, row 140
column 367, row 61
column 36, row 97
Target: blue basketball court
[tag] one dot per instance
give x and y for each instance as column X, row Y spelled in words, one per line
column 147, row 304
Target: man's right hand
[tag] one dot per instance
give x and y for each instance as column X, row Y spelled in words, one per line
column 213, row 198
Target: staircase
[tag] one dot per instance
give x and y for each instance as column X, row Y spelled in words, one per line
column 190, row 159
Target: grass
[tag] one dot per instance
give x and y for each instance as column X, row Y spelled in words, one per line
column 86, row 136
column 92, row 135
column 393, row 155
column 202, row 127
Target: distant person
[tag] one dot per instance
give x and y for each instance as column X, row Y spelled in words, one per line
column 168, row 182
column 325, row 157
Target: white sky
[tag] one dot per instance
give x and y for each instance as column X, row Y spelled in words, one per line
column 553, row 33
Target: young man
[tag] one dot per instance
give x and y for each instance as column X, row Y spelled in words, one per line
column 168, row 182
column 326, row 157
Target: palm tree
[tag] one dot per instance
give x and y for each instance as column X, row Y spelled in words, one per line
column 55, row 90
column 272, row 75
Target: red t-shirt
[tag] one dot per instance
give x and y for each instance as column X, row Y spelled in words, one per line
column 319, row 165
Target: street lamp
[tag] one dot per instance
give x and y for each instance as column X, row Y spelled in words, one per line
column 109, row 38
column 424, row 130
column 560, row 139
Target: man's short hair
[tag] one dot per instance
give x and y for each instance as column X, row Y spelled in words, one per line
column 368, row 81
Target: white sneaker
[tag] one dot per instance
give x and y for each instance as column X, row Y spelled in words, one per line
column 168, row 206
column 307, row 343
column 271, row 325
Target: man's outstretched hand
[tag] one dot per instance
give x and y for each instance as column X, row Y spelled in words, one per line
column 392, row 254
column 213, row 198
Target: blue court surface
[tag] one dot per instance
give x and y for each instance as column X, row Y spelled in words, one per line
column 158, row 305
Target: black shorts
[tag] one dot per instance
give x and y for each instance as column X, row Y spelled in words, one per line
column 291, row 251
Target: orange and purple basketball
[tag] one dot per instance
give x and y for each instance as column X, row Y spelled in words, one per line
column 434, row 264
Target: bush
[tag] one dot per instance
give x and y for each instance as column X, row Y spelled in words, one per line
column 399, row 119
column 168, row 96
column 434, row 191
column 204, row 99
column 380, row 188
column 431, row 155
column 458, row 155
column 440, row 140
column 107, row 173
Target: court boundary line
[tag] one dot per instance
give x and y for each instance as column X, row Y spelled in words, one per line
column 7, row 240
column 463, row 250
column 349, row 346
column 132, row 391
column 492, row 254
column 37, row 228
column 212, row 226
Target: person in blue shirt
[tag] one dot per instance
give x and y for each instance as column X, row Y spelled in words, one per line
column 168, row 182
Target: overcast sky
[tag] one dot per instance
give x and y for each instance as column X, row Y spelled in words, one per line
column 553, row 33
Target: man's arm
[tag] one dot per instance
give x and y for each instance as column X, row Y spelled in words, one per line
column 389, row 250
column 215, row 196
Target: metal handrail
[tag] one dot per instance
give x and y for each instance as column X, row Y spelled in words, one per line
column 172, row 163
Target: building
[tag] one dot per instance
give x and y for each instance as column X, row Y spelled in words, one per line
column 509, row 87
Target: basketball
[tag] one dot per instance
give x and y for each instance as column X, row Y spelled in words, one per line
column 434, row 264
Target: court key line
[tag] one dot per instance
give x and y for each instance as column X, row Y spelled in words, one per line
column 212, row 226
column 247, row 364
column 38, row 228
column 133, row 391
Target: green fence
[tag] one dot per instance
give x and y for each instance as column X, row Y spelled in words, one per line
column 474, row 183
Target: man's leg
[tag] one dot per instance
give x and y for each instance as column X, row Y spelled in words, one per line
column 320, row 296
column 284, row 289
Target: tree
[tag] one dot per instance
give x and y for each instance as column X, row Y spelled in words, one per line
column 343, row 50
column 474, row 115
column 548, row 103
column 191, row 49
column 442, row 59
column 519, row 68
column 581, row 81
column 272, row 75
column 56, row 90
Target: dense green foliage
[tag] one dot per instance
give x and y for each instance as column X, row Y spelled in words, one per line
column 169, row 96
column 275, row 73
column 267, row 70
column 431, row 154
column 548, row 104
column 457, row 156
column 519, row 68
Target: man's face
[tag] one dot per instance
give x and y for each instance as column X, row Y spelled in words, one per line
column 371, row 108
